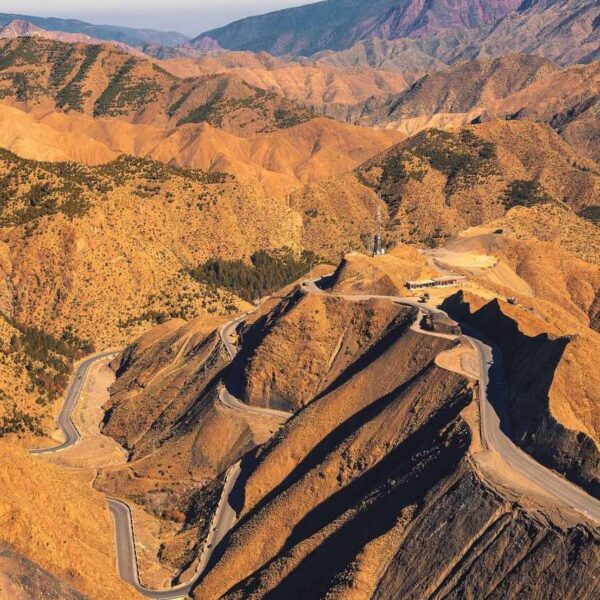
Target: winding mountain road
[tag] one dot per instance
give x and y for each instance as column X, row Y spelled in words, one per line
column 493, row 402
column 64, row 421
column 494, row 422
column 225, row 516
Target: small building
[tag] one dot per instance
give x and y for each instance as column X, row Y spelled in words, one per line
column 436, row 282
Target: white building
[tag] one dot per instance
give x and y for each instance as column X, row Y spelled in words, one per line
column 436, row 282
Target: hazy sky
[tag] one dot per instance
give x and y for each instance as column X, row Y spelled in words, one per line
column 188, row 16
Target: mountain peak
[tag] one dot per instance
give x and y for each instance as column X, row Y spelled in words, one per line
column 21, row 28
column 337, row 24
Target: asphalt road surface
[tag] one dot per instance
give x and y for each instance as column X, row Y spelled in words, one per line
column 64, row 420
column 494, row 420
column 493, row 398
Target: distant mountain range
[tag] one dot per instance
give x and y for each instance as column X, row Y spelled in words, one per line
column 394, row 33
column 400, row 35
column 338, row 24
column 126, row 35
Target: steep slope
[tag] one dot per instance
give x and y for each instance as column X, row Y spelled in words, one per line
column 375, row 490
column 562, row 31
column 311, row 82
column 552, row 385
column 19, row 28
column 135, row 225
column 337, row 24
column 98, row 80
column 324, row 335
column 516, row 87
column 22, row 579
column 59, row 523
column 565, row 31
column 187, row 439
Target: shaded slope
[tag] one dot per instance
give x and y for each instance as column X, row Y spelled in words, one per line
column 374, row 479
column 337, row 24
column 537, row 389
column 164, row 409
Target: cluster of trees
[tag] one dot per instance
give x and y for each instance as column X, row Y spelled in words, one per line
column 47, row 359
column 463, row 157
column 70, row 97
column 16, row 421
column 522, row 192
column 591, row 213
column 265, row 273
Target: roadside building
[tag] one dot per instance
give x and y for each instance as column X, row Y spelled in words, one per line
column 436, row 282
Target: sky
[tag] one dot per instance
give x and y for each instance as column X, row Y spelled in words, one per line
column 191, row 17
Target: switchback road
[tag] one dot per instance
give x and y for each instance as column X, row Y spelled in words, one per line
column 64, row 421
column 493, row 397
column 494, row 403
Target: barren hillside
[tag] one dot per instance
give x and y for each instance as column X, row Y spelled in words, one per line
column 59, row 523
column 513, row 87
column 376, row 475
column 437, row 183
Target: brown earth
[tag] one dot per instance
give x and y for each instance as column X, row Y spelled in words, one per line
column 514, row 87
column 22, row 579
column 181, row 448
column 56, row 520
column 552, row 385
column 315, row 83
column 324, row 335
column 274, row 163
column 370, row 477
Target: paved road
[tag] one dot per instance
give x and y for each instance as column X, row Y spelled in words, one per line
column 494, row 419
column 228, row 336
column 64, row 420
column 491, row 384
column 224, row 518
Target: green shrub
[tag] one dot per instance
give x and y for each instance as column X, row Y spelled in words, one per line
column 591, row 213
column 525, row 193
column 71, row 97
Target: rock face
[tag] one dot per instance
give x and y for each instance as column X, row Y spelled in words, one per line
column 566, row 32
column 372, row 491
column 337, row 24
column 536, row 368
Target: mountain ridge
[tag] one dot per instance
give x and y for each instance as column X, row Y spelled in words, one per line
column 128, row 35
column 334, row 24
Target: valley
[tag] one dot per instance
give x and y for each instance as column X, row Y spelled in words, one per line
column 303, row 306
